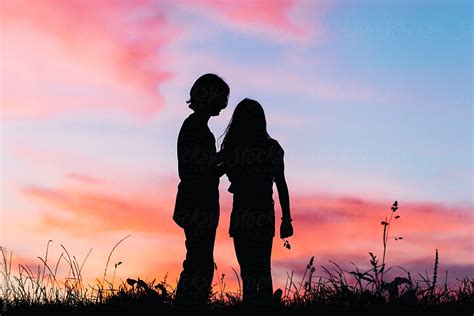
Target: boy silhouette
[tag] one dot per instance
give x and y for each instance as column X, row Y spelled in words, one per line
column 197, row 201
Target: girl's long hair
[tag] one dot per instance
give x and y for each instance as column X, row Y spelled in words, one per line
column 247, row 125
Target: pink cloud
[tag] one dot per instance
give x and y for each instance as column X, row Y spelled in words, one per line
column 354, row 228
column 272, row 13
column 335, row 225
column 101, row 211
column 280, row 20
column 83, row 54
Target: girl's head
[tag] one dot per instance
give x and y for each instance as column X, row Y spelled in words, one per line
column 247, row 124
column 209, row 95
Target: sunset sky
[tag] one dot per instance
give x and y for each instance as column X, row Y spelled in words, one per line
column 371, row 101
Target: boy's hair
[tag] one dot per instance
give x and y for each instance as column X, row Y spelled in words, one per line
column 206, row 90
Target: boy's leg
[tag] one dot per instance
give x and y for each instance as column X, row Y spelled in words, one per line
column 196, row 278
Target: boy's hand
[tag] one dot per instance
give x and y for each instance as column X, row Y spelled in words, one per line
column 286, row 229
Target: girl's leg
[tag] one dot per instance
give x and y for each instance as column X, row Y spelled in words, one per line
column 265, row 287
column 254, row 256
column 244, row 252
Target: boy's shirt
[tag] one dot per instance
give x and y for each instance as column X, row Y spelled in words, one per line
column 197, row 200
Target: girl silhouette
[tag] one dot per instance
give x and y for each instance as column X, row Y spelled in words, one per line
column 253, row 161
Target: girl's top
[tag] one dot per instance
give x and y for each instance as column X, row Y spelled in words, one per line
column 251, row 169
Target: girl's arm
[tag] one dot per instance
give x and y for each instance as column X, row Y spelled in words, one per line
column 284, row 196
column 286, row 229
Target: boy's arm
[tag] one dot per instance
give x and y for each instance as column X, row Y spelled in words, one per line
column 220, row 166
column 189, row 165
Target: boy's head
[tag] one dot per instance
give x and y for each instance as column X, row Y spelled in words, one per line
column 209, row 95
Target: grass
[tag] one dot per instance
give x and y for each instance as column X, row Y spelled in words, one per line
column 334, row 290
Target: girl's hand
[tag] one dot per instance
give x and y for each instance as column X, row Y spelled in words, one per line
column 286, row 229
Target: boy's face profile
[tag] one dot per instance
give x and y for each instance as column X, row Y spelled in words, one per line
column 219, row 104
